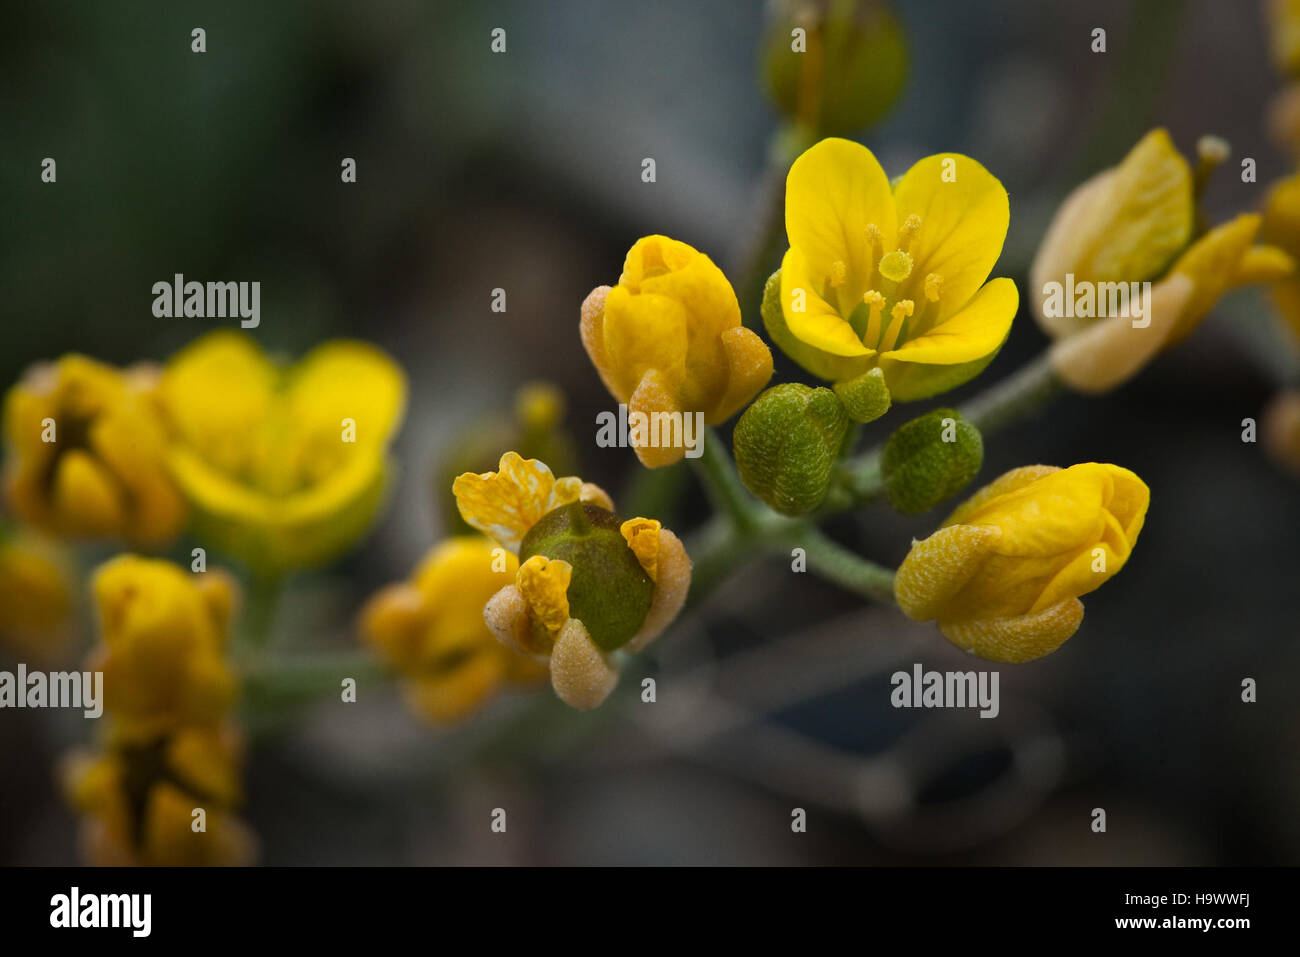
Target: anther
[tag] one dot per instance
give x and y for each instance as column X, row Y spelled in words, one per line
column 907, row 231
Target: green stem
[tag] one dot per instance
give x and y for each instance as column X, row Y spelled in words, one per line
column 1013, row 398
column 277, row 682
column 722, row 483
column 263, row 601
column 837, row 564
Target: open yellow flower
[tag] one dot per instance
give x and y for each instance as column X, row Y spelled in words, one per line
column 667, row 340
column 1003, row 575
column 35, row 596
column 163, row 633
column 86, row 454
column 892, row 277
column 1132, row 224
column 138, row 802
column 431, row 630
column 286, row 467
column 587, row 583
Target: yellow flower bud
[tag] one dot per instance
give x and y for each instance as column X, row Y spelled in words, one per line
column 87, row 455
column 431, row 630
column 162, row 645
column 1121, row 240
column 1003, row 575
column 35, row 597
column 668, row 340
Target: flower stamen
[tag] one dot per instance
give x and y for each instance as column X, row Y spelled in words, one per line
column 876, row 302
column 899, row 315
column 839, row 272
column 908, row 230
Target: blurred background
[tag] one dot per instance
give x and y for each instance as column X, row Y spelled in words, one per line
column 522, row 171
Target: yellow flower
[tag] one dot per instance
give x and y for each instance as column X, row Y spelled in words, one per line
column 892, row 277
column 1132, row 224
column 138, row 802
column 587, row 583
column 1284, row 35
column 431, row 629
column 1281, row 228
column 162, row 651
column 1003, row 575
column 285, row 467
column 667, row 339
column 87, row 454
column 35, row 597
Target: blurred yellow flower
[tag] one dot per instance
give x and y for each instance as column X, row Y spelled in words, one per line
column 140, row 803
column 1132, row 224
column 1281, row 228
column 35, row 597
column 892, row 277
column 587, row 583
column 431, row 630
column 286, row 467
column 668, row 340
column 86, row 454
column 1003, row 575
column 1283, row 21
column 163, row 634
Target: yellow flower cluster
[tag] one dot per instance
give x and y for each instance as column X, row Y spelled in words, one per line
column 163, row 787
column 283, row 467
column 431, row 630
column 587, row 584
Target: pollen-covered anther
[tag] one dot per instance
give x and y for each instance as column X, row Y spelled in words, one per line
column 896, row 266
column 910, row 227
column 933, row 286
column 839, row 272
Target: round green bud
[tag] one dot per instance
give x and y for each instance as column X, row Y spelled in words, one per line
column 930, row 459
column 866, row 397
column 833, row 66
column 610, row 593
column 787, row 444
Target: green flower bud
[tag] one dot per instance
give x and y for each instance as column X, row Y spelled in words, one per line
column 929, row 459
column 866, row 397
column 610, row 593
column 833, row 66
column 787, row 444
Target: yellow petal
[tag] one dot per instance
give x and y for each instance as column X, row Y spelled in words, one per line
column 1018, row 639
column 643, row 332
column 964, row 215
column 834, row 191
column 938, row 567
column 1211, row 263
column 642, row 536
column 1263, row 264
column 86, row 497
column 544, row 583
column 505, row 504
column 654, row 395
column 1123, row 225
column 819, row 324
column 1003, row 484
column 749, row 367
column 973, row 333
column 1110, row 352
